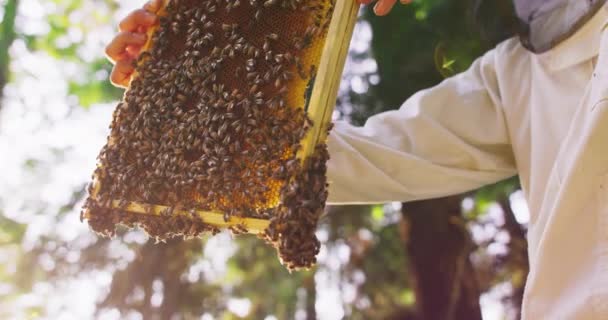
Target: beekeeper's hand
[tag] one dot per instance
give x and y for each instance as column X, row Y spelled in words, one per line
column 127, row 44
column 383, row 7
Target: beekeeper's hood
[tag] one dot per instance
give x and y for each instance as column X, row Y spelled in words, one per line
column 548, row 22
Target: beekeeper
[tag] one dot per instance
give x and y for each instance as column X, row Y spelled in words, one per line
column 536, row 105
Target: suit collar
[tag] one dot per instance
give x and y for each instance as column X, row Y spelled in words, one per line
column 579, row 47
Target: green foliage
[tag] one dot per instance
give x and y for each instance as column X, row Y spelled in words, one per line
column 94, row 88
column 378, row 213
column 7, row 35
column 488, row 195
column 268, row 285
column 11, row 232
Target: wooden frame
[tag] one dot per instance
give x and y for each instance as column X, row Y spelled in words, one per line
column 321, row 106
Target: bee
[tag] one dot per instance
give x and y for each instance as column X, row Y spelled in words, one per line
column 269, row 3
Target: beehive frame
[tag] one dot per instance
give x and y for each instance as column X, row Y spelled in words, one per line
column 320, row 108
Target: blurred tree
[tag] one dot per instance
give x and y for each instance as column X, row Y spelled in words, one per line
column 7, row 35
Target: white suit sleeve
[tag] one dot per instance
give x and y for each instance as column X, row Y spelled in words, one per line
column 444, row 140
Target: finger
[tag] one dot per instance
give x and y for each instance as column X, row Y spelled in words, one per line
column 122, row 72
column 133, row 51
column 383, row 7
column 152, row 6
column 137, row 19
column 115, row 51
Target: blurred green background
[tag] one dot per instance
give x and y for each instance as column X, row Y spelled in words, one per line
column 462, row 257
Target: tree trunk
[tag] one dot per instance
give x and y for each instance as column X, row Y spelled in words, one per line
column 438, row 246
column 163, row 261
column 311, row 296
column 517, row 257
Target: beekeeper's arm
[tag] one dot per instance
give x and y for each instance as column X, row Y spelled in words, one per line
column 445, row 140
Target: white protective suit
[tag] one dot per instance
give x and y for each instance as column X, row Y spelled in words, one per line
column 542, row 116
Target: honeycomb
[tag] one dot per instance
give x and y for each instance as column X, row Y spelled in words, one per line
column 210, row 132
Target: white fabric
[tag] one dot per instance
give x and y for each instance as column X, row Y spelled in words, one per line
column 544, row 117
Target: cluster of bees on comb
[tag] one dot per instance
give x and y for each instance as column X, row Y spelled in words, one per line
column 214, row 119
